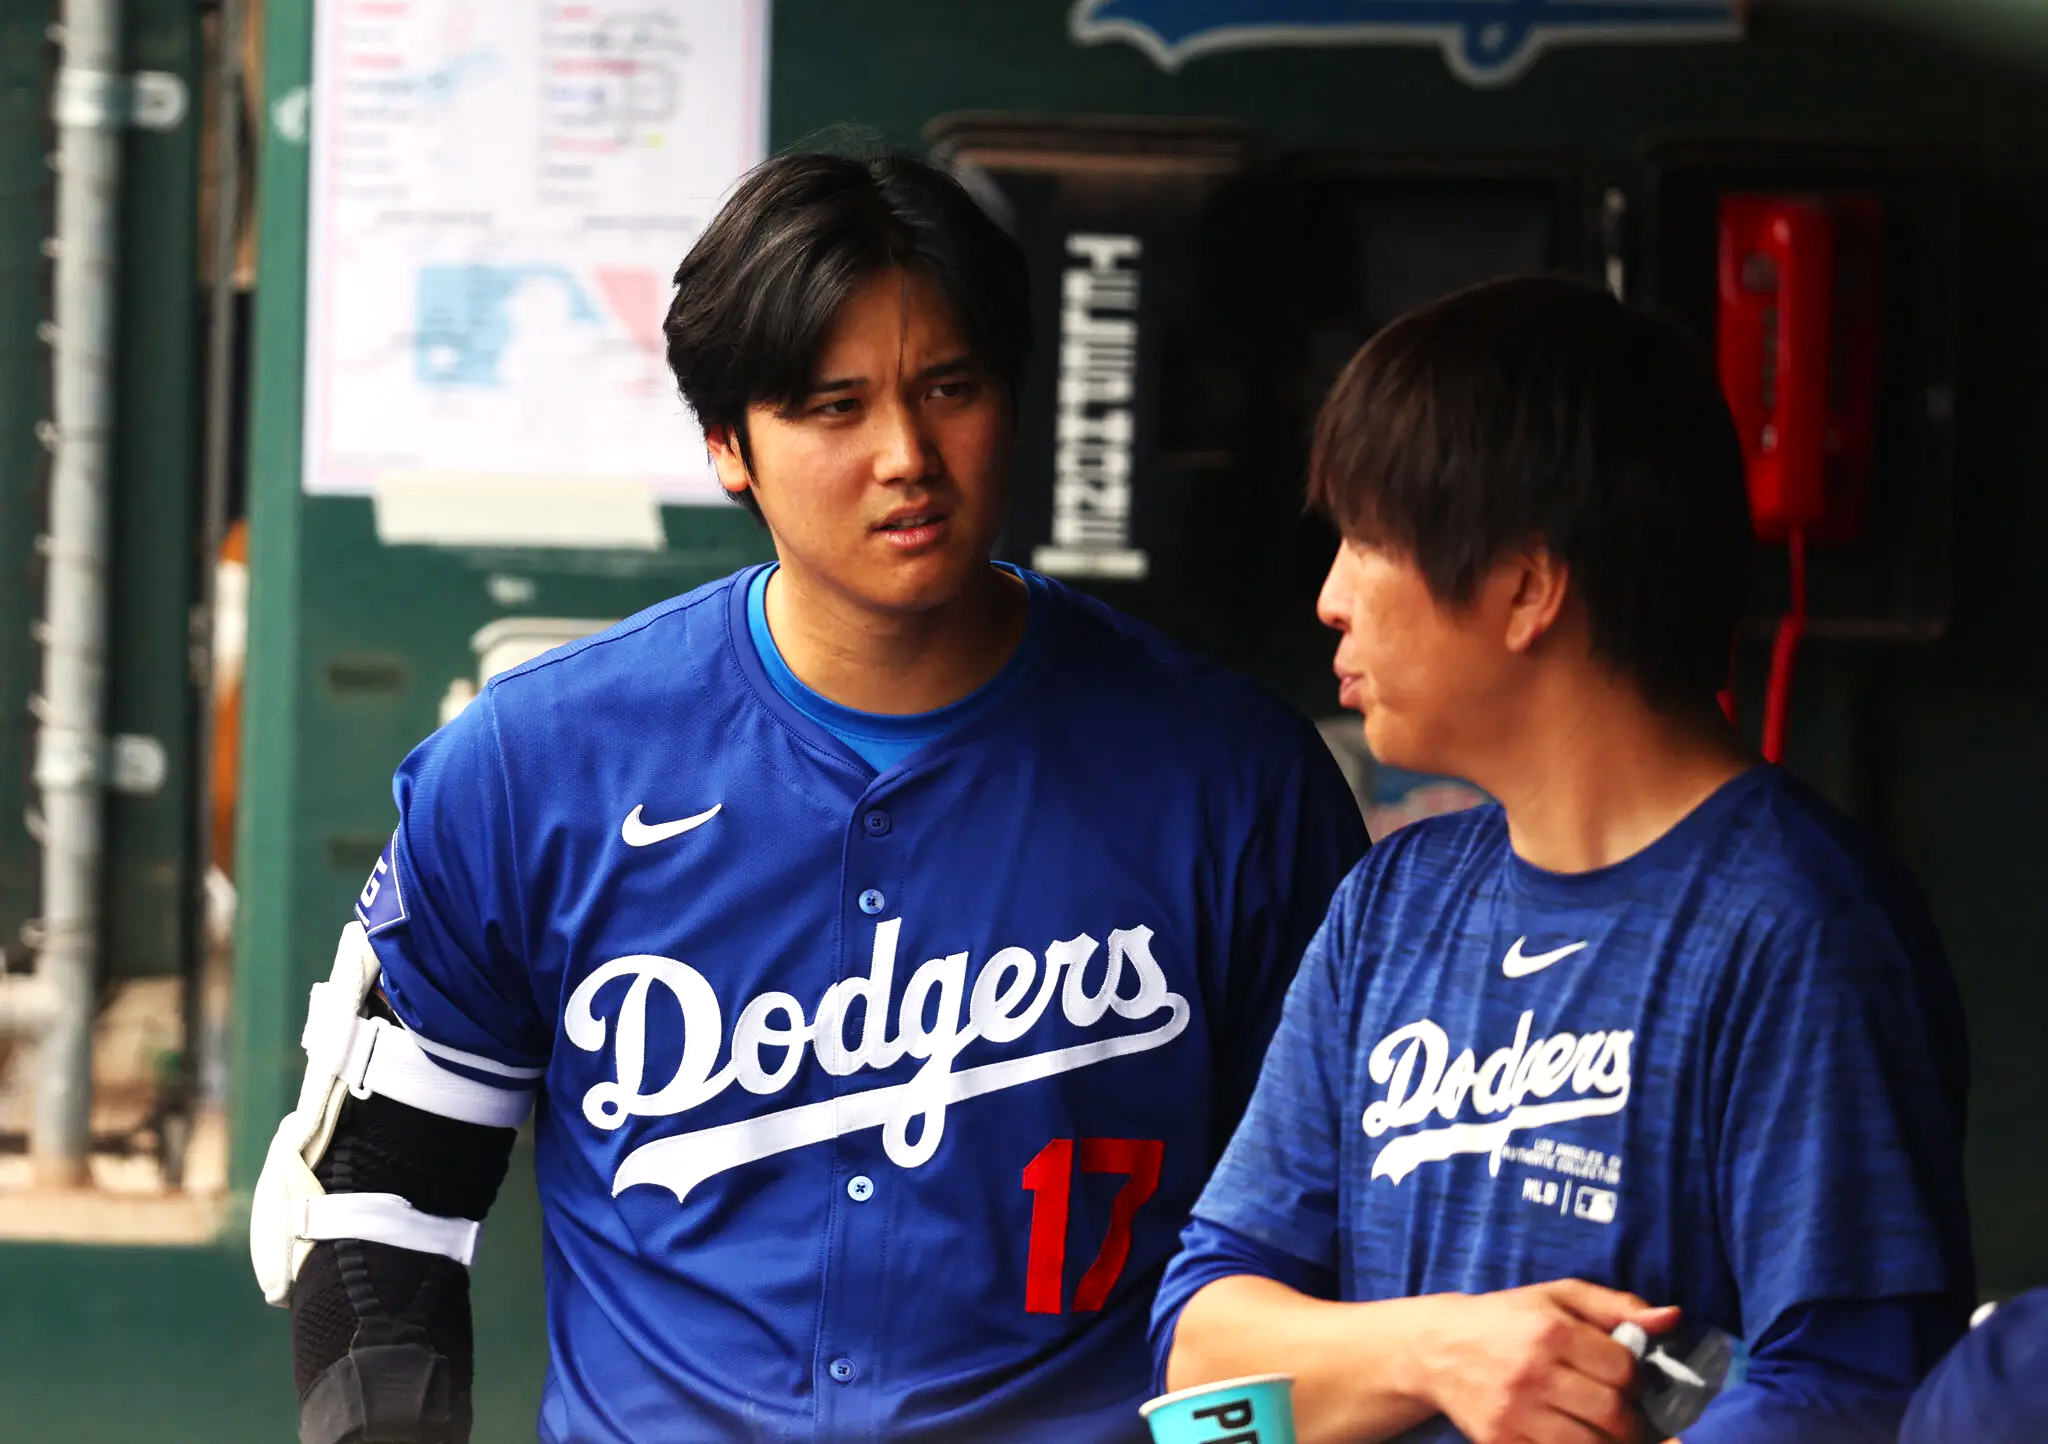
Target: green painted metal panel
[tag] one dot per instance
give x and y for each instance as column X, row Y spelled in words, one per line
column 268, row 847
column 26, row 199
column 149, row 885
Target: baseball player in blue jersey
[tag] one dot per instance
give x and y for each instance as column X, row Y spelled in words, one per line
column 884, row 941
column 1660, row 1039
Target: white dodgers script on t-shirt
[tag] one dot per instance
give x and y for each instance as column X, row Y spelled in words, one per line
column 1422, row 1079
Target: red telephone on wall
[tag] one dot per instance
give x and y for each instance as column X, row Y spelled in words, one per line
column 1799, row 320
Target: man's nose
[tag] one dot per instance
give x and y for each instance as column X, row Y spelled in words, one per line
column 902, row 450
column 1333, row 602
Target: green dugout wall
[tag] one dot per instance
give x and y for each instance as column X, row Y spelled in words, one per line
column 353, row 642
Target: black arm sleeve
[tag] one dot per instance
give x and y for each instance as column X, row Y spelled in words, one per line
column 382, row 1347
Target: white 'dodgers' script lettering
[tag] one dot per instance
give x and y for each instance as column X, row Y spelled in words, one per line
column 1006, row 998
column 1595, row 1064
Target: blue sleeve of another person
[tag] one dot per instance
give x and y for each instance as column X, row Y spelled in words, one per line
column 1834, row 1373
column 1993, row 1386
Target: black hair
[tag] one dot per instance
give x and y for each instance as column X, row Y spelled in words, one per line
column 759, row 290
column 1536, row 409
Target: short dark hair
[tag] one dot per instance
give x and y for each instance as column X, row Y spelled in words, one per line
column 759, row 290
column 1541, row 409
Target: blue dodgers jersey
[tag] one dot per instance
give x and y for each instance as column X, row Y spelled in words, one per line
column 1727, row 1073
column 872, row 1104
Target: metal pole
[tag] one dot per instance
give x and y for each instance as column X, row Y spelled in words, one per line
column 70, row 744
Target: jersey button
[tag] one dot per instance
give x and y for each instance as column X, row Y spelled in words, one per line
column 877, row 823
column 860, row 1188
column 872, row 901
column 841, row 1370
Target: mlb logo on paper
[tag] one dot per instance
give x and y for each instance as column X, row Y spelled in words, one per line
column 381, row 903
column 1485, row 42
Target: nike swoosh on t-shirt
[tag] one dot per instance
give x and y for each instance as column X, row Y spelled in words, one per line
column 1518, row 964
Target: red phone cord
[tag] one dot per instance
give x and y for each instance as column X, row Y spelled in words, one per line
column 1778, row 700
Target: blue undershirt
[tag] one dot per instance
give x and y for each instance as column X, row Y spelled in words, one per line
column 883, row 740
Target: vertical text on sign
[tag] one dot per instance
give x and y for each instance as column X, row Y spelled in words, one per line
column 1095, row 430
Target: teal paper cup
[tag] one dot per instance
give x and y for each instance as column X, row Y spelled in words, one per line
column 1254, row 1410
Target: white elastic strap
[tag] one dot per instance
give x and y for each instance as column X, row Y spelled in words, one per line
column 387, row 1061
column 473, row 1060
column 386, row 1218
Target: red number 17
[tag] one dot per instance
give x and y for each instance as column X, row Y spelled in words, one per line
column 1050, row 1180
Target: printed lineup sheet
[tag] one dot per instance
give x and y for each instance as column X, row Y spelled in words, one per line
column 502, row 190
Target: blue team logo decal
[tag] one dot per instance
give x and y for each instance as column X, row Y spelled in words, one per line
column 381, row 904
column 1485, row 42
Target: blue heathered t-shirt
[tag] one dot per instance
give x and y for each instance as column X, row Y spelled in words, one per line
column 1726, row 1073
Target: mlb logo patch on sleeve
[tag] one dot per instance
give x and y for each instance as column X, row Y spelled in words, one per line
column 381, row 904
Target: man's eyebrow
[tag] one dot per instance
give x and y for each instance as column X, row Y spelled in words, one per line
column 952, row 365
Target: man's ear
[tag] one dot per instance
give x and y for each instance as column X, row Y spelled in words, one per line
column 1540, row 583
column 723, row 444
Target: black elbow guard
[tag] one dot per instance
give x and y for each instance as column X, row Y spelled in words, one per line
column 382, row 1345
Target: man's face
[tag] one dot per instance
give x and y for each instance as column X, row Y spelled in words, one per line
column 888, row 482
column 1431, row 680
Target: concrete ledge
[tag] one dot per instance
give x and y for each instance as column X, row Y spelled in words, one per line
column 26, row 1005
column 126, row 1202
column 94, row 1216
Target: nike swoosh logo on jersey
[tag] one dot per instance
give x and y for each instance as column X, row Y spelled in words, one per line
column 635, row 833
column 1518, row 964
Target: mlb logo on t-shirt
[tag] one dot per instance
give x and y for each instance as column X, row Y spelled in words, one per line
column 1595, row 1205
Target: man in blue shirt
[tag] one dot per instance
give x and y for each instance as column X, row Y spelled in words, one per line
column 886, row 941
column 1660, row 1038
